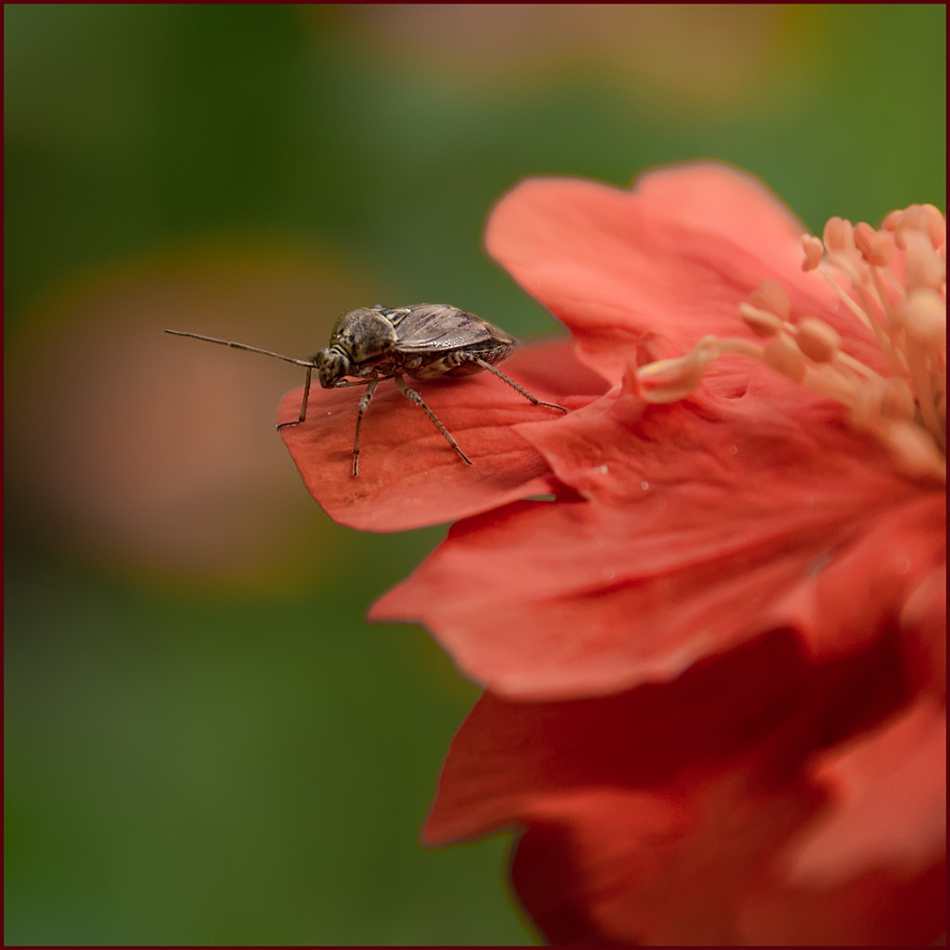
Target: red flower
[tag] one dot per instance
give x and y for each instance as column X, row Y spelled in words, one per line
column 716, row 698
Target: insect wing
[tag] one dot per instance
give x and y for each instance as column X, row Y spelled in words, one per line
column 434, row 328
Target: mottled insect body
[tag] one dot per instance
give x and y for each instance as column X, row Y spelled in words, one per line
column 423, row 341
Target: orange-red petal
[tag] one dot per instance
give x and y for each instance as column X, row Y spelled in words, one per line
column 673, row 256
column 889, row 802
column 696, row 527
column 662, row 815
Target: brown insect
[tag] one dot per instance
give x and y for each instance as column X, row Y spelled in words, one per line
column 422, row 341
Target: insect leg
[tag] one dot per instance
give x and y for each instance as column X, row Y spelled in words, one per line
column 306, row 396
column 524, row 392
column 415, row 397
column 364, row 405
column 303, row 405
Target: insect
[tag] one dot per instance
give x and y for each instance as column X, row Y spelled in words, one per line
column 422, row 341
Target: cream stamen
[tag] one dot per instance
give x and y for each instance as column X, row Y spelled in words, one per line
column 818, row 341
column 760, row 322
column 905, row 409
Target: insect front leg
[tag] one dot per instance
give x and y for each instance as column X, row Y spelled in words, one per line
column 415, row 397
column 303, row 405
column 306, row 395
column 524, row 392
column 365, row 399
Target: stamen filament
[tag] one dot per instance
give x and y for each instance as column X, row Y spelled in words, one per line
column 920, row 373
column 883, row 340
column 897, row 285
column 857, row 366
column 845, row 296
column 885, row 300
column 744, row 347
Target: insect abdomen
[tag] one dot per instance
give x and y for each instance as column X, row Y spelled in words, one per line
column 462, row 362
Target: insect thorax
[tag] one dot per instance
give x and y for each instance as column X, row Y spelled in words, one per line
column 363, row 335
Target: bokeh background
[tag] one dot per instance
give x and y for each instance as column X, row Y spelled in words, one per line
column 205, row 743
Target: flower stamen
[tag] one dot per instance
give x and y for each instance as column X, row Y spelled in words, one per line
column 906, row 408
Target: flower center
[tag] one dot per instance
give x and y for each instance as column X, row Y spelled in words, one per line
column 905, row 407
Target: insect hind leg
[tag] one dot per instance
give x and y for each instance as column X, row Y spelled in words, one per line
column 416, row 397
column 524, row 392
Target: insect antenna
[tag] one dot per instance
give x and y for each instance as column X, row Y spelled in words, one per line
column 244, row 346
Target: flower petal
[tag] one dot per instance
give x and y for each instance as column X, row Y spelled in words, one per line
column 873, row 910
column 607, row 867
column 409, row 476
column 709, row 523
column 747, row 432
column 660, row 816
column 890, row 802
column 674, row 255
column 508, row 751
column 553, row 600
column 923, row 622
column 872, row 579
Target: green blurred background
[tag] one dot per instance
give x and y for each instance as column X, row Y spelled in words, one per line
column 205, row 744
